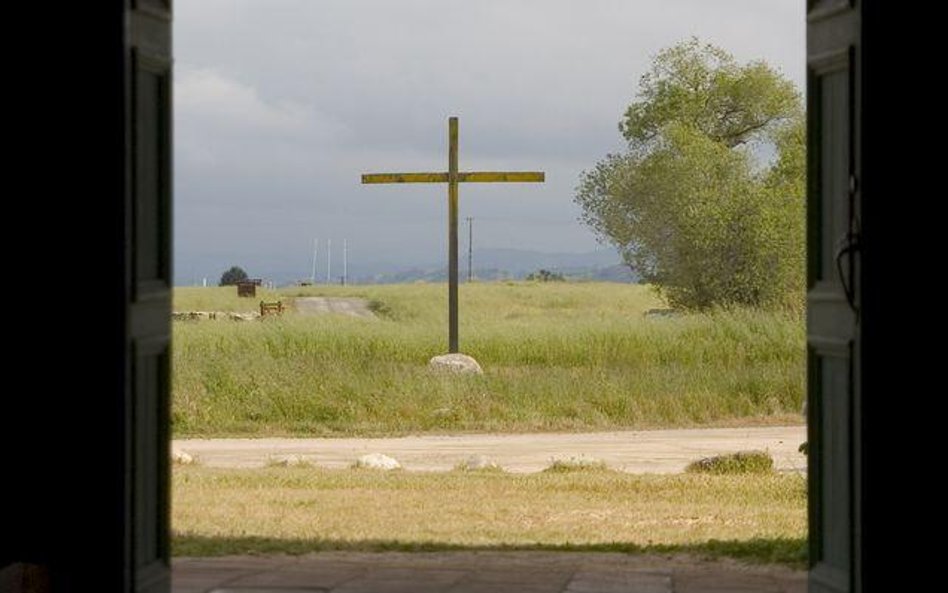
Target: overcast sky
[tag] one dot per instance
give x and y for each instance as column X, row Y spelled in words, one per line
column 280, row 105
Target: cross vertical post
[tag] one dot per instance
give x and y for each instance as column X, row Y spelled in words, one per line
column 453, row 235
column 452, row 177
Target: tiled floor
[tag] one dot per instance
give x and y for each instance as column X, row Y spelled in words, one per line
column 479, row 572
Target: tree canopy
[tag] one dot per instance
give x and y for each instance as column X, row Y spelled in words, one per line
column 691, row 204
column 232, row 276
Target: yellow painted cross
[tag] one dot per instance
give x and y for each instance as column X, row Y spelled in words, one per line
column 452, row 178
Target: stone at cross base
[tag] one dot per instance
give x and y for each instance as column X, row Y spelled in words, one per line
column 456, row 363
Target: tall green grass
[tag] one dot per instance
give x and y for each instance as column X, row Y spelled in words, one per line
column 556, row 357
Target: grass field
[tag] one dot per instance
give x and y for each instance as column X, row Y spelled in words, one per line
column 557, row 356
column 758, row 517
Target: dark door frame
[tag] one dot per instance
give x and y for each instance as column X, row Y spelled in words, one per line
column 70, row 463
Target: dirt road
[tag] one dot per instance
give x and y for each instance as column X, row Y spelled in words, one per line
column 351, row 306
column 653, row 451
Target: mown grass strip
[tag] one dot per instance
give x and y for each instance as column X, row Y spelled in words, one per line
column 297, row 510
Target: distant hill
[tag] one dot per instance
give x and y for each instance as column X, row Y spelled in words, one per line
column 506, row 264
column 489, row 264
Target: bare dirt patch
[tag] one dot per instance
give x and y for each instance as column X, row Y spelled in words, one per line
column 351, row 306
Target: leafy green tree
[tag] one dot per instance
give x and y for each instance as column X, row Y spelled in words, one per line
column 688, row 204
column 232, row 276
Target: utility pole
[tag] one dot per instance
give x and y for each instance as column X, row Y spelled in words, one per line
column 345, row 261
column 470, row 248
column 315, row 253
column 328, row 261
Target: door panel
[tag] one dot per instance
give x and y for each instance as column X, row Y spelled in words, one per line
column 151, row 96
column 833, row 300
column 150, row 375
column 148, row 228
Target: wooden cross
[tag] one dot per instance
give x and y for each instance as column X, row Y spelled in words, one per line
column 452, row 178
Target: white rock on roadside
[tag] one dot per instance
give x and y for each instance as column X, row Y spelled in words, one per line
column 181, row 456
column 243, row 316
column 288, row 461
column 377, row 461
column 565, row 464
column 477, row 462
column 456, row 363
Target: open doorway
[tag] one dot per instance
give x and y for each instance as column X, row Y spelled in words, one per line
column 129, row 49
column 504, row 217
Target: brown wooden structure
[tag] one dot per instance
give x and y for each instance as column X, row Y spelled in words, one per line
column 247, row 288
column 275, row 308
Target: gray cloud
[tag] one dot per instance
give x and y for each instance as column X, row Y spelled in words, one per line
column 281, row 104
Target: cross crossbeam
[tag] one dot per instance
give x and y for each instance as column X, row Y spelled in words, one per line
column 452, row 177
column 473, row 176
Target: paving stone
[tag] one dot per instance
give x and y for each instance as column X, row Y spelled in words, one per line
column 268, row 590
column 724, row 582
column 241, row 563
column 479, row 572
column 437, row 575
column 589, row 581
column 526, row 577
column 418, row 585
column 794, row 586
column 398, row 579
column 506, row 587
column 204, row 577
column 326, row 577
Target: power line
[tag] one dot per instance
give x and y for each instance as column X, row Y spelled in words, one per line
column 328, row 261
column 315, row 254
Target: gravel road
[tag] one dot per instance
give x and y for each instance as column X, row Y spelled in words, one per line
column 651, row 451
